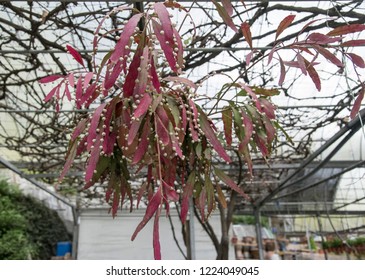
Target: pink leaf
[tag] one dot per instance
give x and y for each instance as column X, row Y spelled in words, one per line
column 76, row 55
column 225, row 16
column 319, row 38
column 81, row 148
column 170, row 192
column 108, row 194
column 250, row 93
column 181, row 80
column 143, row 144
column 167, row 48
column 162, row 131
column 93, row 159
column 155, row 79
column 356, row 59
column 115, row 203
column 195, row 111
column 183, row 116
column 353, row 43
column 141, row 86
column 210, row 134
column 308, row 24
column 346, row 29
column 156, row 236
column 120, row 50
column 88, row 93
column 71, row 80
column 67, row 92
column 282, row 72
column 328, row 55
column 246, row 31
column 249, row 57
column 284, row 24
column 152, row 207
column 142, row 107
column 194, row 133
column 141, row 191
column 109, row 113
column 79, row 129
column 130, row 80
column 112, row 77
column 248, row 128
column 270, row 130
column 301, row 64
column 180, row 52
column 108, row 144
column 357, row 104
column 94, row 125
column 227, row 5
column 261, row 143
column 51, row 94
column 297, row 65
column 70, row 156
column 51, row 78
column 166, row 24
column 133, row 131
column 79, row 89
column 175, row 144
column 88, row 78
column 268, row 108
column 271, row 54
column 314, row 75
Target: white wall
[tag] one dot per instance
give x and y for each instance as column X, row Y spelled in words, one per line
column 102, row 237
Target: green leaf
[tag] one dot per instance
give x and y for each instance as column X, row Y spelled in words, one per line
column 225, row 16
column 187, row 194
column 266, row 91
column 221, row 198
column 237, row 123
column 211, row 136
column 278, row 126
column 227, row 123
column 209, row 189
column 230, row 183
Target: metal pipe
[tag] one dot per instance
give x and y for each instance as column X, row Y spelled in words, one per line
column 188, row 1
column 322, row 181
column 353, row 125
column 207, row 50
column 91, row 110
column 34, row 182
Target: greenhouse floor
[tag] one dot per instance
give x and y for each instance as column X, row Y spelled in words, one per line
column 318, row 256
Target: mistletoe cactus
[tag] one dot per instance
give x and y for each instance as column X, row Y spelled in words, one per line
column 149, row 120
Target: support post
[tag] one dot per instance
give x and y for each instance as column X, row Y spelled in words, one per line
column 322, row 238
column 190, row 233
column 259, row 233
